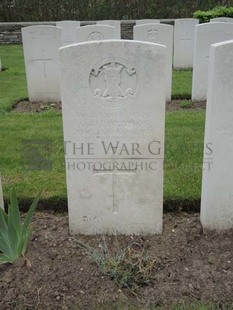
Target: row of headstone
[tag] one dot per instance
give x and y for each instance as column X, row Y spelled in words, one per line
column 41, row 45
column 160, row 34
column 116, row 96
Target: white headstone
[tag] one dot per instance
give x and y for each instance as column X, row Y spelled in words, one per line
column 96, row 33
column 206, row 34
column 184, row 34
column 147, row 21
column 0, row 64
column 68, row 31
column 40, row 44
column 161, row 34
column 222, row 20
column 114, row 23
column 1, row 196
column 217, row 182
column 113, row 96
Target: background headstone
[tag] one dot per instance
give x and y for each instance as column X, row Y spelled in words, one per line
column 147, row 21
column 222, row 20
column 0, row 64
column 160, row 34
column 217, row 181
column 96, row 33
column 40, row 44
column 113, row 92
column 205, row 35
column 114, row 23
column 184, row 33
column 1, row 196
column 68, row 31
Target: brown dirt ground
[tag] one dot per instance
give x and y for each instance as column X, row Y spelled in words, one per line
column 190, row 266
column 26, row 106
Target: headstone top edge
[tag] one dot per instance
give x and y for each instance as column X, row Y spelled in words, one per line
column 222, row 44
column 154, row 25
column 210, row 25
column 106, row 42
column 40, row 27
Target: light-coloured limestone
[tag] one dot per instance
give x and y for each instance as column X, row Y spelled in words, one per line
column 147, row 21
column 222, row 20
column 217, row 189
column 160, row 34
column 113, row 104
column 68, row 31
column 40, row 44
column 114, row 23
column 206, row 35
column 96, row 33
column 1, row 196
column 184, row 33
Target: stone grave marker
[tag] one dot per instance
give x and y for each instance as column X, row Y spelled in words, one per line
column 113, row 97
column 0, row 64
column 217, row 180
column 96, row 33
column 222, row 20
column 147, row 21
column 206, row 35
column 68, row 31
column 184, row 33
column 114, row 23
column 161, row 34
column 40, row 44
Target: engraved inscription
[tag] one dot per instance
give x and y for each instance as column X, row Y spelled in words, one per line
column 95, row 36
column 113, row 82
column 153, row 35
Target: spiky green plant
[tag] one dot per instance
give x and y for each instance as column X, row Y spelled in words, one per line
column 14, row 235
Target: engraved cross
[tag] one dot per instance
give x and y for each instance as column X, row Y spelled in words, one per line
column 44, row 60
column 114, row 173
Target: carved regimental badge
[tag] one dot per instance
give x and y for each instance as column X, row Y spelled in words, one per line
column 152, row 35
column 95, row 36
column 113, row 83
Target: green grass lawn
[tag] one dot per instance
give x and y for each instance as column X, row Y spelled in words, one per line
column 184, row 140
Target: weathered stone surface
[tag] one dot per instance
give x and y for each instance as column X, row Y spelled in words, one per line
column 206, row 34
column 96, row 33
column 41, row 45
column 114, row 23
column 161, row 34
column 147, row 21
column 113, row 97
column 68, row 31
column 217, row 189
column 184, row 34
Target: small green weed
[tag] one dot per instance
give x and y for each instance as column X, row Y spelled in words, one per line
column 129, row 268
column 186, row 104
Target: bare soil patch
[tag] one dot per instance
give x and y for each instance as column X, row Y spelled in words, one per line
column 27, row 106
column 190, row 266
